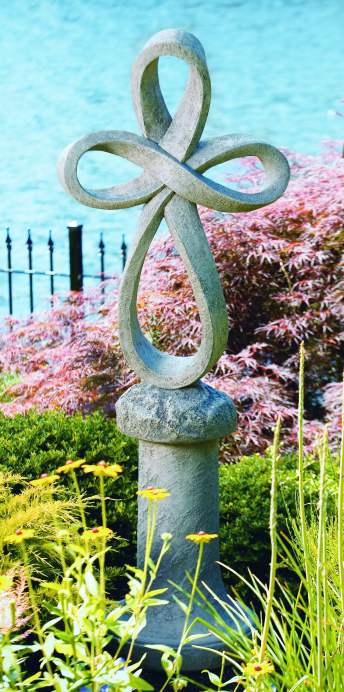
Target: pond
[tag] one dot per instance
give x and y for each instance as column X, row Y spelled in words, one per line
column 277, row 71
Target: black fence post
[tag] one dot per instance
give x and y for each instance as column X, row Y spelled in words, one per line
column 75, row 256
column 29, row 244
column 9, row 267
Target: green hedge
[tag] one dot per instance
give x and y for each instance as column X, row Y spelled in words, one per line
column 35, row 443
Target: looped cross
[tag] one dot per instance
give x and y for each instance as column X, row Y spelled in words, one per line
column 172, row 183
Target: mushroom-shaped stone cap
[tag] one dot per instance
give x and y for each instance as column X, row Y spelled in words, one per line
column 190, row 415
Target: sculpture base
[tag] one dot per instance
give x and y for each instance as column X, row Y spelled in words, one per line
column 179, row 433
column 194, row 660
column 163, row 628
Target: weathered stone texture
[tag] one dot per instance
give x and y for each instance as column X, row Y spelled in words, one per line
column 176, row 416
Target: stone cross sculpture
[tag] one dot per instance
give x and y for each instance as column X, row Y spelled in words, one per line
column 177, row 418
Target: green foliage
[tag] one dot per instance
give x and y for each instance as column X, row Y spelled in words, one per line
column 36, row 443
column 294, row 636
column 290, row 637
column 245, row 506
column 22, row 507
column 80, row 643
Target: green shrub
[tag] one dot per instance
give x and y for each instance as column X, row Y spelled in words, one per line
column 39, row 442
column 21, row 506
column 245, row 506
column 35, row 443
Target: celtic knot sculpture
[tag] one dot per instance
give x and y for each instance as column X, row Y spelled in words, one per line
column 171, row 185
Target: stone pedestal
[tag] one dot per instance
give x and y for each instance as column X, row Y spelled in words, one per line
column 179, row 432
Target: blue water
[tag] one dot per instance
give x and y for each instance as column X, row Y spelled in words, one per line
column 277, row 69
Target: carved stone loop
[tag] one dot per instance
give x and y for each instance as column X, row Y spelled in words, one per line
column 172, row 183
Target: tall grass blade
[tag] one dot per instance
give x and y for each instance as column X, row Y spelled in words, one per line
column 273, row 538
column 320, row 566
column 303, row 521
column 341, row 512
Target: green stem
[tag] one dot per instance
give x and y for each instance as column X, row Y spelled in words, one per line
column 80, row 501
column 57, row 533
column 64, row 568
column 187, row 615
column 34, row 607
column 219, row 687
column 155, row 570
column 151, row 517
column 273, row 538
column 320, row 566
column 192, row 597
column 340, row 528
column 102, row 554
column 66, row 583
column 151, row 524
column 32, row 596
column 157, row 566
column 325, row 597
column 303, row 521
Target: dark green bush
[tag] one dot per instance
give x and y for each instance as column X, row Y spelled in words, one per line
column 38, row 442
column 35, row 443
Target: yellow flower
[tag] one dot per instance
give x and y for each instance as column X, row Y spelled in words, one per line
column 154, row 494
column 44, row 479
column 20, row 535
column 96, row 533
column 201, row 537
column 70, row 465
column 254, row 669
column 103, row 469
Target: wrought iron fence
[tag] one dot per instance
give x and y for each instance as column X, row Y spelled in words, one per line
column 76, row 273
